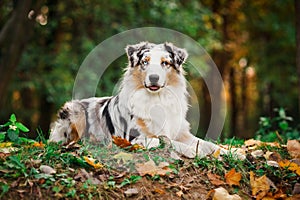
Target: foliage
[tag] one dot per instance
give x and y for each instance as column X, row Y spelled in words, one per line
column 11, row 130
column 277, row 128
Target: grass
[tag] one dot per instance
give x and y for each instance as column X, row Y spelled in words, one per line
column 89, row 171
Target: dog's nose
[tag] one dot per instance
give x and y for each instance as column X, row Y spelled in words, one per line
column 153, row 78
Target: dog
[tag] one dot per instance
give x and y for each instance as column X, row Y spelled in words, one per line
column 152, row 101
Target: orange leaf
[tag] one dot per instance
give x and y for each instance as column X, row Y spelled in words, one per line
column 121, row 142
column 260, row 186
column 233, row 177
column 290, row 166
column 38, row 144
column 159, row 191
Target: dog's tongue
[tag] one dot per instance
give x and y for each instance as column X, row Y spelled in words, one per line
column 154, row 87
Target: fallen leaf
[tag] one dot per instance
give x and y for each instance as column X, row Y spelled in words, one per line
column 260, row 186
column 252, row 144
column 217, row 153
column 38, row 144
column 222, row 194
column 257, row 153
column 5, row 144
column 47, row 169
column 152, row 169
column 296, row 189
column 121, row 142
column 93, row 162
column 293, row 147
column 274, row 156
column 290, row 166
column 179, row 193
column 233, row 177
column 272, row 163
column 215, row 179
column 131, row 191
column 159, row 191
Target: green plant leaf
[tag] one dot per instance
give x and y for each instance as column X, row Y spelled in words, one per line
column 12, row 135
column 13, row 118
column 5, row 125
column 5, row 189
column 2, row 136
column 21, row 127
column 283, row 125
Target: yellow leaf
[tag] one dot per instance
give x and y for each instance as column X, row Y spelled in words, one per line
column 290, row 166
column 91, row 161
column 260, row 186
column 233, row 177
column 5, row 144
column 217, row 153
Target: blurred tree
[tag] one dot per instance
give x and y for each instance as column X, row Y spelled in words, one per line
column 14, row 36
column 297, row 11
column 271, row 45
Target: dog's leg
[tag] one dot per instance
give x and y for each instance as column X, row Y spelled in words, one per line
column 204, row 147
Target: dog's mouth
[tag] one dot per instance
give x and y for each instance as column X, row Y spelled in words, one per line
column 153, row 88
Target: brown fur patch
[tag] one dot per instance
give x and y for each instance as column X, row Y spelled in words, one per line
column 147, row 58
column 165, row 60
column 173, row 77
column 74, row 136
column 140, row 122
column 138, row 77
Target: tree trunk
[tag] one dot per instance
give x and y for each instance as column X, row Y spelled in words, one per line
column 13, row 38
column 297, row 12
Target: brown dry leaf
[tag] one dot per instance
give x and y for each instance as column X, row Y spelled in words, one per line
column 121, row 142
column 260, row 186
column 131, row 191
column 290, row 166
column 179, row 193
column 293, row 147
column 252, row 144
column 215, row 179
column 233, row 177
column 152, row 169
column 222, row 194
column 92, row 162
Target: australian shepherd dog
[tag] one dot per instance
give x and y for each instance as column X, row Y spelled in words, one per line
column 151, row 102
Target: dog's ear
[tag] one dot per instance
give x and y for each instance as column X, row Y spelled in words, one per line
column 178, row 55
column 135, row 52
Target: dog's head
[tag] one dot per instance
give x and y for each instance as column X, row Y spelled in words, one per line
column 155, row 66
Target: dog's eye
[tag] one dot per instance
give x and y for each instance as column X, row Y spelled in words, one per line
column 145, row 62
column 164, row 63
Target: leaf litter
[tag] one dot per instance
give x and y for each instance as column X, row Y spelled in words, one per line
column 270, row 171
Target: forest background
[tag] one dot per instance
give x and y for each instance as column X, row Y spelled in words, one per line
column 255, row 45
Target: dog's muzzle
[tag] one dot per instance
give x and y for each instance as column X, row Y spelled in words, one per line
column 154, row 85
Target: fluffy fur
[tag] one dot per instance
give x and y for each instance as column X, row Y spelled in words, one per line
column 152, row 101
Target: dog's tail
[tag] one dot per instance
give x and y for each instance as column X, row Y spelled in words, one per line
column 71, row 123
